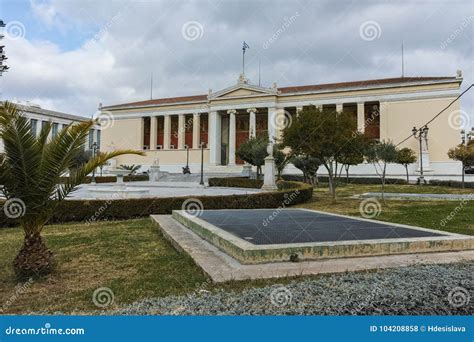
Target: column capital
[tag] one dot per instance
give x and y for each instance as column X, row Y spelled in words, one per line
column 231, row 111
column 252, row 110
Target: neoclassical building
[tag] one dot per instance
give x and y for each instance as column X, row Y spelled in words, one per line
column 221, row 120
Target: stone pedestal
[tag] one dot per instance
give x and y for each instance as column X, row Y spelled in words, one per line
column 247, row 170
column 269, row 183
column 154, row 173
column 425, row 157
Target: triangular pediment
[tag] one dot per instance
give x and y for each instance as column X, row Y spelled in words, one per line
column 242, row 90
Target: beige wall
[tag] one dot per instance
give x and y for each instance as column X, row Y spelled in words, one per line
column 398, row 118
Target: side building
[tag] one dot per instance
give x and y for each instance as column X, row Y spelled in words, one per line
column 39, row 116
column 385, row 109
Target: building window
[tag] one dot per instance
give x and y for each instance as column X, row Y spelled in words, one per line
column 174, row 131
column 98, row 139
column 372, row 119
column 203, row 129
column 160, row 132
column 146, row 133
column 329, row 108
column 91, row 138
column 55, row 129
column 43, row 124
column 188, row 129
column 34, row 126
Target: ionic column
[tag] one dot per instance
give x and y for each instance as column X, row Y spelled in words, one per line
column 167, row 132
column 196, row 130
column 252, row 122
column 271, row 123
column 214, row 137
column 181, row 131
column 232, row 137
column 153, row 132
column 338, row 107
column 360, row 117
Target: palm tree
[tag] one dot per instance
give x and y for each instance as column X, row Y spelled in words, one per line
column 30, row 175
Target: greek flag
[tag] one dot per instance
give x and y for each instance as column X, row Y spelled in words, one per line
column 245, row 46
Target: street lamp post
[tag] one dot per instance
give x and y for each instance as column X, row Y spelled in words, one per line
column 94, row 153
column 186, row 168
column 420, row 134
column 202, row 164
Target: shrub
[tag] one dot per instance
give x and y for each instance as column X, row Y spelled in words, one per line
column 89, row 211
column 353, row 180
column 113, row 179
column 452, row 183
column 236, row 182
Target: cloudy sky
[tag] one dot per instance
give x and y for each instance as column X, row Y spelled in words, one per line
column 72, row 55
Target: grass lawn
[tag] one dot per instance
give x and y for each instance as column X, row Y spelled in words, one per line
column 133, row 260
column 426, row 214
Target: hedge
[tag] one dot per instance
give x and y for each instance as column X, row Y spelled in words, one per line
column 236, row 182
column 89, row 211
column 352, row 180
column 113, row 179
column 452, row 183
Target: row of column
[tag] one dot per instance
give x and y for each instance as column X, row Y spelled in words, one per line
column 215, row 132
column 181, row 133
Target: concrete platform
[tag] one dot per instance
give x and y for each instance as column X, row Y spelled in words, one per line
column 312, row 235
column 221, row 267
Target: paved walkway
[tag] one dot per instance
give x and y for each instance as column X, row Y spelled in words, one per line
column 155, row 190
column 221, row 267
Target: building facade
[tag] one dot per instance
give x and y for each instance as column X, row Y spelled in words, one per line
column 39, row 116
column 385, row 109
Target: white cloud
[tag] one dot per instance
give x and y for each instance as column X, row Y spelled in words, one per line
column 132, row 39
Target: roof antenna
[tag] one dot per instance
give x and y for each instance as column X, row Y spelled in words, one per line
column 259, row 62
column 151, row 86
column 403, row 63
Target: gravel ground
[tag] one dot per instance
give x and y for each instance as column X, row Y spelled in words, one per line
column 415, row 290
